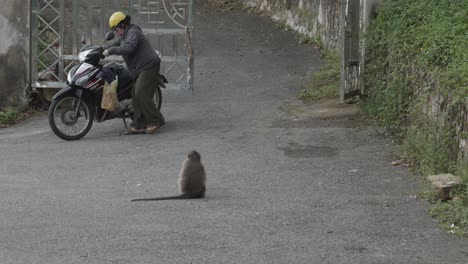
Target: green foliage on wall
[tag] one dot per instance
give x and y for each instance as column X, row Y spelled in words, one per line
column 416, row 82
column 432, row 148
column 324, row 83
column 416, row 49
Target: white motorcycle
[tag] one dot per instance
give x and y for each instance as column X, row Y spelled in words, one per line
column 78, row 104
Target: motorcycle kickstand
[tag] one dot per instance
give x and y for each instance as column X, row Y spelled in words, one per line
column 125, row 122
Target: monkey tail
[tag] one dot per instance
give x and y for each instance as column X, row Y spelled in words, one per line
column 177, row 197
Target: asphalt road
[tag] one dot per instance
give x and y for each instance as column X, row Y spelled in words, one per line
column 287, row 182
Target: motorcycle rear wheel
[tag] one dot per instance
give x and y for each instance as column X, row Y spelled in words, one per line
column 62, row 119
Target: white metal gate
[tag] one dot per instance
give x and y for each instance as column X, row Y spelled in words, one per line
column 58, row 28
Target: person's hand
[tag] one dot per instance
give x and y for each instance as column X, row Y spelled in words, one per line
column 105, row 53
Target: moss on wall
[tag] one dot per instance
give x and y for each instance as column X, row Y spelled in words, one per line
column 417, row 76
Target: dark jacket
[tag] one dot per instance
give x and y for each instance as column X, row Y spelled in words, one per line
column 135, row 50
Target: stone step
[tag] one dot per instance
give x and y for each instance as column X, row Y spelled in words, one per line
column 444, row 184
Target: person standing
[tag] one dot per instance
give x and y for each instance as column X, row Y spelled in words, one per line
column 143, row 64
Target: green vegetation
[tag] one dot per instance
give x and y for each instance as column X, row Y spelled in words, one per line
column 326, row 82
column 226, row 5
column 453, row 214
column 416, row 59
column 306, row 39
column 9, row 116
column 432, row 149
column 13, row 115
column 412, row 45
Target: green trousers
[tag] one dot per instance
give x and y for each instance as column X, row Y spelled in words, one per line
column 145, row 111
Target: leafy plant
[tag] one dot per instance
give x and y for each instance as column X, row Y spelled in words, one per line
column 12, row 115
column 433, row 149
column 412, row 47
column 453, row 214
column 9, row 116
column 326, row 82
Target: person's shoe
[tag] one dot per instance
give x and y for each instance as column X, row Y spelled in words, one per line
column 134, row 131
column 152, row 129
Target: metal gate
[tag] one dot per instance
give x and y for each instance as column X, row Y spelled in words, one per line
column 350, row 65
column 59, row 27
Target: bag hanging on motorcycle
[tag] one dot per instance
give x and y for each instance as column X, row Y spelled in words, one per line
column 109, row 96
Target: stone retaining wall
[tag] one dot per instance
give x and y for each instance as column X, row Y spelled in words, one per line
column 318, row 19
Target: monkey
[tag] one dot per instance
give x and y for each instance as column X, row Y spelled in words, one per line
column 192, row 180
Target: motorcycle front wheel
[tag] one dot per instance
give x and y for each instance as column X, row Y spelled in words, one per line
column 70, row 118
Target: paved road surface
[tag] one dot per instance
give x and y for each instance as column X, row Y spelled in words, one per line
column 287, row 182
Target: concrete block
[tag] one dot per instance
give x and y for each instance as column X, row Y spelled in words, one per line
column 443, row 184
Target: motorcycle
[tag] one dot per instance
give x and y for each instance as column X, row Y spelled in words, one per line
column 74, row 108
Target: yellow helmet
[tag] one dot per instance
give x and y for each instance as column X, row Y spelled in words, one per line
column 116, row 18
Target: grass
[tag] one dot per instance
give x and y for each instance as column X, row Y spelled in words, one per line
column 12, row 115
column 453, row 214
column 326, row 82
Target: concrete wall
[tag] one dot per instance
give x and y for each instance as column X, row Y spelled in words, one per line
column 14, row 51
column 318, row 19
column 443, row 112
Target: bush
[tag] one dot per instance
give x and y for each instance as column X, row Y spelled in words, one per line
column 413, row 44
column 9, row 116
column 416, row 61
column 12, row 115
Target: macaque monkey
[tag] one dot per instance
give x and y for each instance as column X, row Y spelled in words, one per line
column 192, row 180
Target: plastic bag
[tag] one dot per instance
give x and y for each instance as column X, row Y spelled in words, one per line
column 109, row 96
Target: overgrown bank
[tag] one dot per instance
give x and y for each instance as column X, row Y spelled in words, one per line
column 416, row 83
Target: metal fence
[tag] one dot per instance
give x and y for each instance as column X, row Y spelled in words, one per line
column 59, row 27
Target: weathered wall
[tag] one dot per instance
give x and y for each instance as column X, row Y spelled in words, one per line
column 318, row 19
column 442, row 112
column 14, row 51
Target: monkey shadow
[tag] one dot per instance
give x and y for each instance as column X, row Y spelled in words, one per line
column 216, row 195
column 222, row 195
